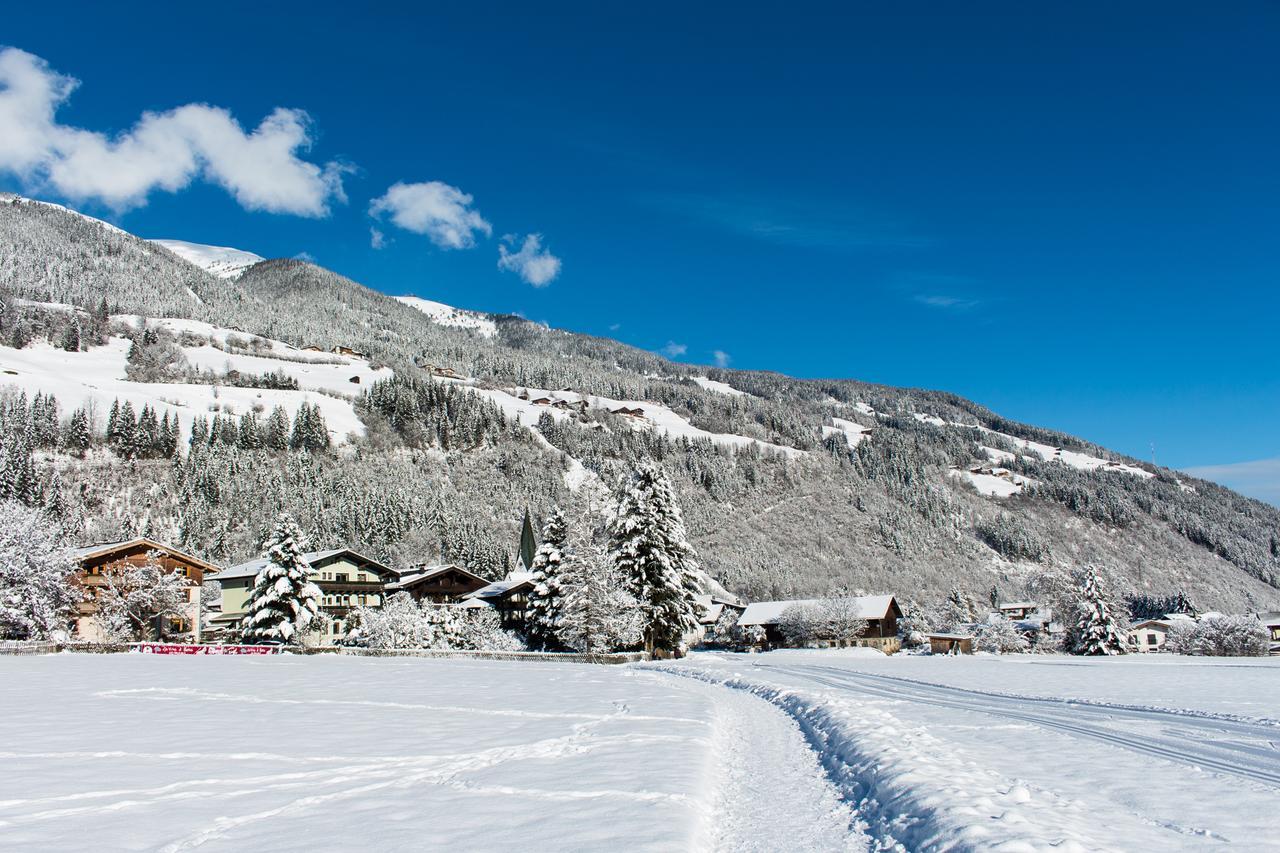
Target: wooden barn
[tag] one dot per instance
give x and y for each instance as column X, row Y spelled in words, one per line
column 438, row 584
column 951, row 644
column 98, row 561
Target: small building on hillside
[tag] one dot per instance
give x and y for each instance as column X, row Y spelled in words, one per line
column 438, row 584
column 98, row 561
column 344, row 350
column 509, row 597
column 881, row 613
column 950, row 644
column 1149, row 635
column 346, row 579
column 1016, row 611
column 1271, row 621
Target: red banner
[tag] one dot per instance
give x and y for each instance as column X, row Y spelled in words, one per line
column 186, row 649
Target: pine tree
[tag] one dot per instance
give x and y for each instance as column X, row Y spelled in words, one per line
column 545, row 597
column 70, row 337
column 277, row 430
column 284, row 602
column 1097, row 625
column 647, row 543
column 597, row 615
column 77, row 437
column 250, row 434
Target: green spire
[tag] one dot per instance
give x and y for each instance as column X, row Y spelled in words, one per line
column 528, row 544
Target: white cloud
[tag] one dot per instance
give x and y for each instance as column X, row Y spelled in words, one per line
column 433, row 208
column 674, row 350
column 613, row 327
column 533, row 263
column 945, row 302
column 721, row 358
column 377, row 239
column 305, row 256
column 1259, row 478
column 163, row 151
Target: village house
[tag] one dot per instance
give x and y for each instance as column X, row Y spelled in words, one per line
column 1016, row 611
column 881, row 613
column 1271, row 621
column 346, row 579
column 509, row 597
column 950, row 644
column 1149, row 635
column 438, row 584
column 98, row 561
column 344, row 350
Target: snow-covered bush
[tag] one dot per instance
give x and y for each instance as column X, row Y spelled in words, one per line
column 481, row 629
column 724, row 632
column 136, row 599
column 402, row 623
column 999, row 636
column 827, row 620
column 1219, row 636
column 37, row 588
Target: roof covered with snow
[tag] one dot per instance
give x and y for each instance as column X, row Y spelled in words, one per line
column 499, row 589
column 251, row 568
column 768, row 612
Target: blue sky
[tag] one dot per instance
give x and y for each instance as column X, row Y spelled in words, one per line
column 1066, row 213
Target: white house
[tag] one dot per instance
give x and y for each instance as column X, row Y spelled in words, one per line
column 1149, row 635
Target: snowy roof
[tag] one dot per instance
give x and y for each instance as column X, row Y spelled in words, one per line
column 86, row 551
column 950, row 636
column 420, row 573
column 498, row 589
column 1018, row 605
column 1148, row 623
column 768, row 612
column 251, row 568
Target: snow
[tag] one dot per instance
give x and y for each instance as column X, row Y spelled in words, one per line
column 655, row 416
column 768, row 612
column 447, row 315
column 222, row 261
column 854, row 433
column 290, row 753
column 1002, row 483
column 97, row 376
column 1033, row 752
column 718, row 387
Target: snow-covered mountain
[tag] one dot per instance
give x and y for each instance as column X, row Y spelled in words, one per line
column 790, row 487
column 447, row 315
column 222, row 261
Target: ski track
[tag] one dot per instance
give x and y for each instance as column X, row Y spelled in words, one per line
column 1217, row 744
column 771, row 793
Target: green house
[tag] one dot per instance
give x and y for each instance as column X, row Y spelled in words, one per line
column 346, row 579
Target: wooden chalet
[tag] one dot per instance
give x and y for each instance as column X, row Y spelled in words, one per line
column 98, row 561
column 343, row 350
column 346, row 579
column 1016, row 611
column 509, row 597
column 438, row 584
column 881, row 613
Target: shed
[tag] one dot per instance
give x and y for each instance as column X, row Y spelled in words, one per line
column 951, row 644
column 1018, row 610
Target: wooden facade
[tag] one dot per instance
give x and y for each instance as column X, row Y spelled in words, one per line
column 510, row 598
column 438, row 584
column 98, row 561
column 950, row 644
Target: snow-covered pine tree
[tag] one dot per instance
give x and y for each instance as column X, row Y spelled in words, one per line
column 958, row 609
column 1097, row 625
column 284, row 602
column 545, row 598
column 648, row 544
column 37, row 588
column 597, row 614
column 77, row 437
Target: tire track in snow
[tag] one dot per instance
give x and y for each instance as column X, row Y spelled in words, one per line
column 1194, row 740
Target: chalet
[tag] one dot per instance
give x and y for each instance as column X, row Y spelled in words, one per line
column 541, row 401
column 354, row 380
column 1149, row 635
column 881, row 613
column 438, row 584
column 509, row 597
column 445, row 373
column 346, row 579
column 950, row 644
column 313, row 348
column 1016, row 611
column 1271, row 621
column 341, row 350
column 628, row 412
column 98, row 561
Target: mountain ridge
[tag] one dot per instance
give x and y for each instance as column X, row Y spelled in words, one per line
column 884, row 486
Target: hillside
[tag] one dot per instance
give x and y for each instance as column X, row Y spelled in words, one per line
column 460, row 420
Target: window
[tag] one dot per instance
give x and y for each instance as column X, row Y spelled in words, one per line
column 1152, row 639
column 341, row 578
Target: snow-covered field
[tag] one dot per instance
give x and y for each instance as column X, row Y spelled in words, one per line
column 290, row 753
column 1035, row 752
